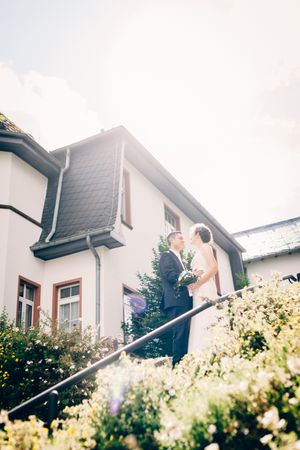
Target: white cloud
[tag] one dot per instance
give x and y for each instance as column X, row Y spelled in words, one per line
column 46, row 107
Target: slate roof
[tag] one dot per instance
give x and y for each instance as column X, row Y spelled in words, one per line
column 89, row 196
column 270, row 240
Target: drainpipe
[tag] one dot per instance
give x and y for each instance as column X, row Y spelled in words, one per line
column 98, row 264
column 58, row 195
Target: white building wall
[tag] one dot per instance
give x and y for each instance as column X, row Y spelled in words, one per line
column 19, row 260
column 122, row 264
column 71, row 267
column 285, row 264
column 27, row 188
column 4, row 221
column 5, row 177
column 24, row 188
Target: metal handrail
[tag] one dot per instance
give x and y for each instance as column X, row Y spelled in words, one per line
column 138, row 343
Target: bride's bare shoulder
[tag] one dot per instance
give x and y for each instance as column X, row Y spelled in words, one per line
column 207, row 248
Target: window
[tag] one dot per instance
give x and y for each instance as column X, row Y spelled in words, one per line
column 127, row 312
column 217, row 277
column 172, row 221
column 125, row 202
column 67, row 304
column 28, row 303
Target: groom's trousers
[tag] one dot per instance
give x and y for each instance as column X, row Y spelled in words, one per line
column 180, row 333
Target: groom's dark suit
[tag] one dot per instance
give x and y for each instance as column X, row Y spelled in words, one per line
column 175, row 301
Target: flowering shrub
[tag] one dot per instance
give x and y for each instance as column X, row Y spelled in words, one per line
column 33, row 360
column 243, row 392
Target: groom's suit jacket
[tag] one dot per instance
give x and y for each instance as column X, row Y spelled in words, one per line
column 170, row 268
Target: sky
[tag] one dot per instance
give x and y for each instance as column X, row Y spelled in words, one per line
column 211, row 88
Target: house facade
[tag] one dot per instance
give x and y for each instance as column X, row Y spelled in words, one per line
column 78, row 223
column 272, row 248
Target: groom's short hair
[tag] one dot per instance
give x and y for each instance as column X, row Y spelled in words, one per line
column 171, row 236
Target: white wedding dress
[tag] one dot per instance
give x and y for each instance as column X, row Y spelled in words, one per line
column 200, row 331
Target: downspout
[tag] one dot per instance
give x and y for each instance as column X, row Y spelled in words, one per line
column 58, row 195
column 98, row 264
column 93, row 250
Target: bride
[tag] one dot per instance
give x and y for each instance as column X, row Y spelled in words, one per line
column 204, row 265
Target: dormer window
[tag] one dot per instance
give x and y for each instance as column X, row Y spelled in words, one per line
column 172, row 221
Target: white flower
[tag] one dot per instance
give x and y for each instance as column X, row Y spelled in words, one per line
column 293, row 364
column 187, row 277
column 266, row 438
column 271, row 421
column 243, row 385
column 212, row 428
column 175, row 434
column 212, row 447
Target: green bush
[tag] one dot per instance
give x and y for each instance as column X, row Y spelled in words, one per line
column 243, row 392
column 241, row 280
column 33, row 360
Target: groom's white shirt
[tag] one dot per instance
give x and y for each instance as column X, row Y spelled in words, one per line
column 178, row 256
column 183, row 267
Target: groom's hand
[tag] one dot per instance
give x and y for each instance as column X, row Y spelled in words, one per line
column 191, row 287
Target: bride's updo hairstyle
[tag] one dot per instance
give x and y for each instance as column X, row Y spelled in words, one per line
column 203, row 231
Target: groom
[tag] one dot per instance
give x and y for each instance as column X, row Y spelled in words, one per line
column 176, row 300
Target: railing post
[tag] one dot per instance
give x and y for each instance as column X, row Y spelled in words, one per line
column 52, row 405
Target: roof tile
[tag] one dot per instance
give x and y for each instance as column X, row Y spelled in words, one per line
column 269, row 240
column 87, row 196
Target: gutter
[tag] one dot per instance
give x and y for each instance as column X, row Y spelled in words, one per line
column 30, row 151
column 58, row 196
column 285, row 252
column 98, row 266
column 73, row 238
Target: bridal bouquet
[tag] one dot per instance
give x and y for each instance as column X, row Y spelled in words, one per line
column 187, row 277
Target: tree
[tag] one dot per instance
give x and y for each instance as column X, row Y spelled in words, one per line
column 152, row 316
column 241, row 280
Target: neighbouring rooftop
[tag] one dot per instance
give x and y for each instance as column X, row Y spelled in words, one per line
column 270, row 240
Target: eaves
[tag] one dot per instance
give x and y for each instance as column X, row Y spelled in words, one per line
column 29, row 151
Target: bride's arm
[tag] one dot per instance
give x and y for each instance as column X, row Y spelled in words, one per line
column 212, row 267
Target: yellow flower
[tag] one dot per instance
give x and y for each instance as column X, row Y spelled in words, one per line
column 72, row 431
